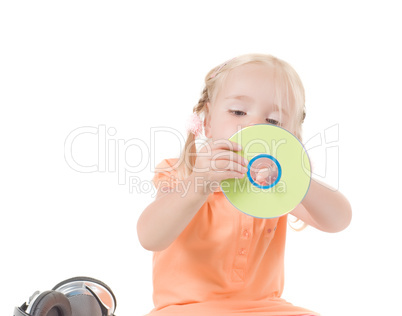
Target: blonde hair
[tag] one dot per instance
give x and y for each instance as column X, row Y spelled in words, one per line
column 289, row 94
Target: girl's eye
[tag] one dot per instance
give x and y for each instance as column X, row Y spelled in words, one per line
column 241, row 113
column 274, row 122
column 237, row 113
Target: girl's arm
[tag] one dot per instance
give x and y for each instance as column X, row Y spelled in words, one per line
column 166, row 217
column 324, row 208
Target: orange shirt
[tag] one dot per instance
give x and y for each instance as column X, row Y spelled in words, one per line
column 223, row 263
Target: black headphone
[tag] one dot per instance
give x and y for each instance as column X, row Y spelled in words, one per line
column 79, row 296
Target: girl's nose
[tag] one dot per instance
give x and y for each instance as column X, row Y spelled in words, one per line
column 257, row 121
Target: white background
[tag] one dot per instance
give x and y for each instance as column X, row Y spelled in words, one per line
column 130, row 66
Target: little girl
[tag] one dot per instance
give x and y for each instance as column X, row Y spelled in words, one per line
column 209, row 258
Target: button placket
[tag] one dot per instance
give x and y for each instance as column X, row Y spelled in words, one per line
column 243, row 247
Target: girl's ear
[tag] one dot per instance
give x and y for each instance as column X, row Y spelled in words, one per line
column 207, row 120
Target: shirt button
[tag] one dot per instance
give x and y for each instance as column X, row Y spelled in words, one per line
column 269, row 230
column 246, row 234
column 242, row 251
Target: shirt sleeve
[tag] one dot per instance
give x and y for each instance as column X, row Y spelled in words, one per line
column 165, row 175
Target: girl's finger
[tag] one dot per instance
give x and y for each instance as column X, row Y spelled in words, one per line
column 229, row 155
column 227, row 165
column 226, row 144
column 229, row 175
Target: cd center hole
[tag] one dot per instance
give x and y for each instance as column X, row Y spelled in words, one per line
column 264, row 171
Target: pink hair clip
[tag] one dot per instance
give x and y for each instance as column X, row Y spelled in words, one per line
column 194, row 125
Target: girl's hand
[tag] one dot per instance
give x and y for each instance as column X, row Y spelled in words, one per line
column 217, row 161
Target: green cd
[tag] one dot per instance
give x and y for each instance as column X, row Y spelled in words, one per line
column 278, row 175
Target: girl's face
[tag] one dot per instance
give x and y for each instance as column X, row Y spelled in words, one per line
column 245, row 98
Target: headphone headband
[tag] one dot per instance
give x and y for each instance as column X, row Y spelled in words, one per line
column 86, row 286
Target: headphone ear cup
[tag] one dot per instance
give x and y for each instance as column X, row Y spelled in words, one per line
column 51, row 303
